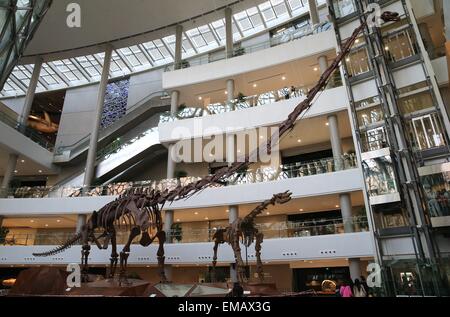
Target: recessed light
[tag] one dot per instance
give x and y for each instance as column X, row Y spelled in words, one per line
column 261, row 137
column 206, row 218
column 196, row 213
column 31, row 220
column 347, row 59
column 386, row 48
column 255, row 85
column 267, row 213
column 299, row 141
column 40, row 171
column 283, row 78
column 22, row 161
column 46, row 224
column 226, row 92
column 337, row 206
column 228, row 210
column 57, row 220
column 327, row 124
column 200, row 97
column 357, row 41
column 316, row 69
column 16, row 171
column 178, row 220
column 301, row 209
column 239, row 151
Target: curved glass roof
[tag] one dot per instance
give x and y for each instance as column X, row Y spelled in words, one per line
column 81, row 70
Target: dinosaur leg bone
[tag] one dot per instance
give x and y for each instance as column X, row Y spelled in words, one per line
column 160, row 255
column 114, row 254
column 239, row 262
column 135, row 231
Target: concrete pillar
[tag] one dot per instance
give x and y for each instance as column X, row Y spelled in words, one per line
column 323, row 64
column 9, row 173
column 178, row 46
column 168, row 222
column 335, row 138
column 171, row 164
column 174, row 101
column 230, row 90
column 228, row 33
column 29, row 98
column 233, row 214
column 354, row 266
column 427, row 40
column 313, row 12
column 81, row 221
column 92, row 152
column 345, row 202
column 231, row 148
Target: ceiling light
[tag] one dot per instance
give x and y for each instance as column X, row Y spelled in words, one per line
column 22, row 161
column 283, row 78
column 31, row 220
column 337, row 206
column 46, row 225
column 226, row 92
column 327, row 124
column 301, row 209
column 357, row 41
column 239, row 151
column 200, row 98
column 206, row 218
column 261, row 137
column 347, row 59
column 299, row 141
column 196, row 213
column 255, row 85
column 178, row 220
column 16, row 171
column 316, row 69
column 57, row 220
column 228, row 210
column 267, row 213
column 386, row 48
column 40, row 171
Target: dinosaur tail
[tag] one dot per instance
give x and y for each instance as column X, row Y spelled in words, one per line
column 62, row 247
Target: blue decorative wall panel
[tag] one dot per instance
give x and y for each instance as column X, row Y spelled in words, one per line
column 116, row 98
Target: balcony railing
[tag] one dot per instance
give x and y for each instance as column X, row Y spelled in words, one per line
column 32, row 134
column 285, row 37
column 244, row 102
column 259, row 175
column 271, row 230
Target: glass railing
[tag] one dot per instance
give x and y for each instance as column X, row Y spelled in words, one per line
column 26, row 131
column 244, row 102
column 271, row 230
column 342, row 8
column 259, row 175
column 84, row 142
column 283, row 38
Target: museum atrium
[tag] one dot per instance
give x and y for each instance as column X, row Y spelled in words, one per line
column 121, row 101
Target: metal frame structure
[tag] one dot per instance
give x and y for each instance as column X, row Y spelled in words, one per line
column 21, row 18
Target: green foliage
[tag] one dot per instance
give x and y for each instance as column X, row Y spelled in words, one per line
column 180, row 174
column 177, row 232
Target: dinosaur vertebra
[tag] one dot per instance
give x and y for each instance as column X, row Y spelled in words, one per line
column 243, row 230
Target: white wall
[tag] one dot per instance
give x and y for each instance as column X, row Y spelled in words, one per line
column 350, row 245
column 294, row 50
column 143, row 84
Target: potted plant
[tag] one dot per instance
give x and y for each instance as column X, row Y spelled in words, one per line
column 177, row 232
column 239, row 51
column 241, row 97
column 180, row 174
column 184, row 64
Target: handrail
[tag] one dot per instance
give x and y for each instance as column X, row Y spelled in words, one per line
column 260, row 175
column 26, row 131
column 85, row 139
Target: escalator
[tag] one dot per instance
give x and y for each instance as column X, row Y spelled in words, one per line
column 140, row 112
column 140, row 143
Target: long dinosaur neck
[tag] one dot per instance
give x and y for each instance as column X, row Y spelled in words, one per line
column 190, row 189
column 259, row 209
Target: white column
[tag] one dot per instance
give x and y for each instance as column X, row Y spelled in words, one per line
column 233, row 214
column 81, row 221
column 29, row 98
column 9, row 173
column 323, row 64
column 174, row 101
column 313, row 12
column 168, row 222
column 92, row 152
column 354, row 266
column 346, row 212
column 178, row 46
column 231, row 148
column 335, row 138
column 171, row 164
column 230, row 90
column 228, row 33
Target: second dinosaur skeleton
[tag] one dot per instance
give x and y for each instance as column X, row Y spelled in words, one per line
column 243, row 230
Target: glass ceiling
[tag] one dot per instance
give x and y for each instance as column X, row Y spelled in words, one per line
column 87, row 69
column 18, row 19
